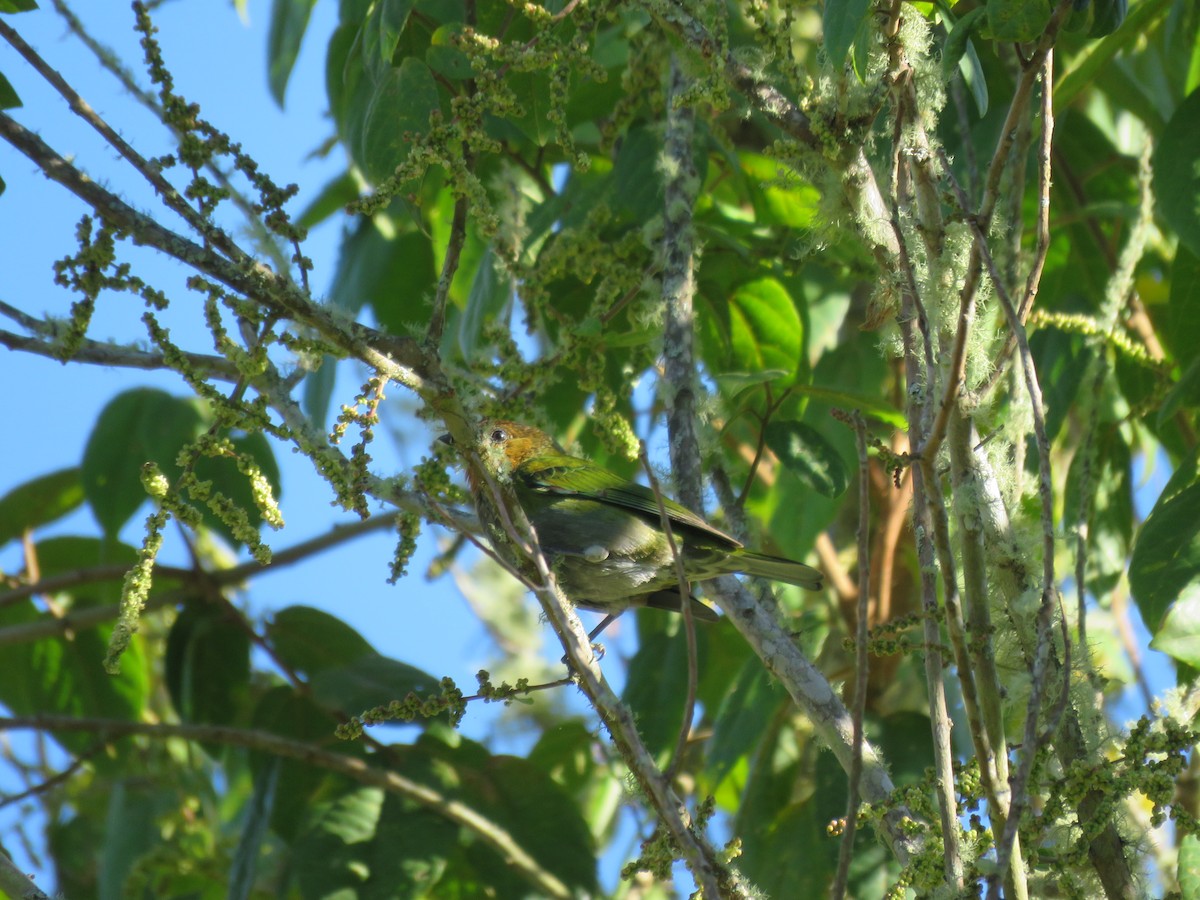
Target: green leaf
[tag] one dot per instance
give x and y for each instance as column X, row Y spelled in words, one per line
column 491, row 291
column 1181, row 329
column 8, row 94
column 445, row 58
column 310, row 641
column 1177, row 172
column 40, row 501
column 1184, row 395
column 656, row 686
column 532, row 91
column 753, row 699
column 207, row 667
column 841, row 21
column 16, row 6
column 1017, row 20
column 1166, row 557
column 332, row 199
column 805, row 454
column 131, row 829
column 389, row 18
column 1094, row 58
column 138, row 426
column 634, row 190
column 959, row 53
column 384, row 116
column 404, row 284
column 755, row 328
column 252, row 844
column 1188, row 872
column 369, row 681
column 1179, row 636
column 284, row 712
column 1108, row 15
column 391, row 272
column 66, row 677
column 289, row 21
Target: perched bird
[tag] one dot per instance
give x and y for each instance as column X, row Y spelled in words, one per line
column 603, row 535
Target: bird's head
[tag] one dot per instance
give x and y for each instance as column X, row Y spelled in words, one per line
column 505, row 445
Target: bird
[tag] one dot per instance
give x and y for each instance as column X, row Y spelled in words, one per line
column 603, row 536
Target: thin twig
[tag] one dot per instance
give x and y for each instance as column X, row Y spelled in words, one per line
column 167, row 191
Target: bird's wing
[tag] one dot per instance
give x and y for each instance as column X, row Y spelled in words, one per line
column 569, row 475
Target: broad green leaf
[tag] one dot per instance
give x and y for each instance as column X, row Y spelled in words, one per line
column 8, row 94
column 566, row 752
column 634, row 191
column 804, row 453
column 389, row 18
column 1017, row 20
column 1107, row 17
column 743, row 717
column 1166, row 557
column 1089, row 62
column 207, row 667
column 869, row 405
column 40, row 501
column 253, row 841
column 367, row 682
column 16, row 6
column 491, row 291
column 283, row 711
column 66, row 677
column 656, row 686
column 1184, row 395
column 1188, row 871
column 532, row 91
column 780, row 196
column 733, row 383
column 310, row 641
column 1179, row 636
column 754, row 328
column 335, row 852
column 959, row 53
column 405, row 283
column 445, row 58
column 543, row 820
column 331, row 200
column 131, row 829
column 1177, row 172
column 138, row 426
column 841, row 21
column 1181, row 330
column 384, row 117
column 289, row 21
column 788, row 855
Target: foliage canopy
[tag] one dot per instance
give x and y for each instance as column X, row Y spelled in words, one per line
column 911, row 290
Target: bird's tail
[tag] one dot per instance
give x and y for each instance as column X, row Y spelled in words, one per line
column 777, row 568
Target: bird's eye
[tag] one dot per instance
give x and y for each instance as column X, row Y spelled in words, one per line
column 499, row 436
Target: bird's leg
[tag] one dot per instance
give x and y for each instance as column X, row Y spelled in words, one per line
column 592, row 635
column 604, row 623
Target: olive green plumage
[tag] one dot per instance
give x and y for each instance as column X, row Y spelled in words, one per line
column 603, row 535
